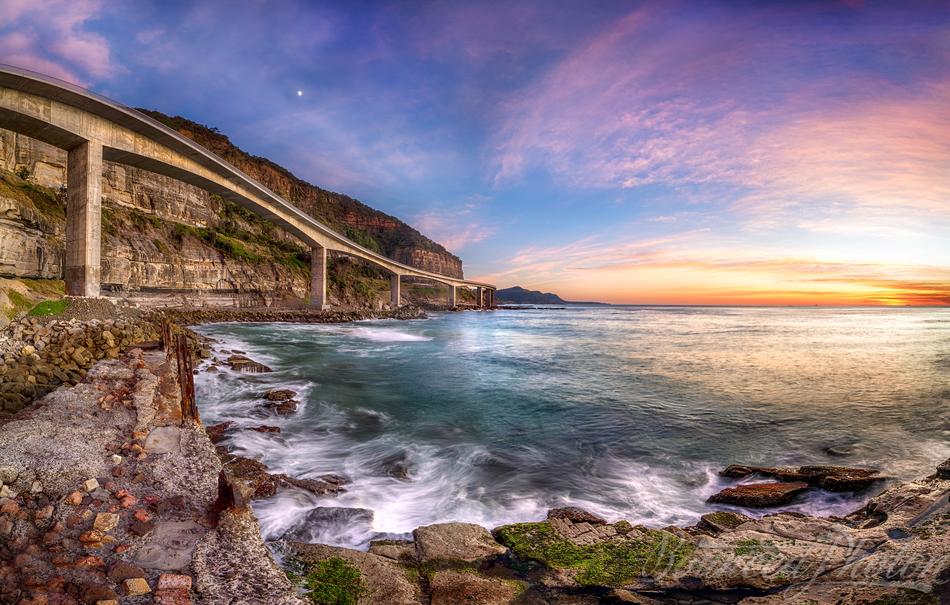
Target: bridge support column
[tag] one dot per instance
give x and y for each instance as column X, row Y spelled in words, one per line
column 394, row 290
column 318, row 277
column 451, row 297
column 479, row 297
column 491, row 299
column 83, row 219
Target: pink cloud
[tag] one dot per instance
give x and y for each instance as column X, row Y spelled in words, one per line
column 658, row 99
column 455, row 229
column 52, row 38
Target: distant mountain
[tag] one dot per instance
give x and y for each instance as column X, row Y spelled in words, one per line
column 522, row 296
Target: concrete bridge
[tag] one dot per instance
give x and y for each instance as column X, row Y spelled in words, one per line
column 92, row 128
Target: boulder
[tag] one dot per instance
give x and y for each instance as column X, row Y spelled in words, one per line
column 241, row 363
column 757, row 495
column 721, row 521
column 450, row 587
column 320, row 487
column 252, row 473
column 455, row 542
column 264, row 428
column 943, row 470
column 217, row 432
column 577, row 515
column 282, row 408
column 279, row 394
column 382, row 580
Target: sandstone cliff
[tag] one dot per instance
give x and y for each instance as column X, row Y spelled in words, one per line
column 166, row 239
column 372, row 228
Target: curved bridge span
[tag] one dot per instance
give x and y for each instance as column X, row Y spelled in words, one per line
column 92, row 128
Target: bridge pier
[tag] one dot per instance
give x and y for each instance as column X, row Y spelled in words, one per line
column 479, row 297
column 318, row 277
column 451, row 297
column 394, row 291
column 491, row 299
column 83, row 219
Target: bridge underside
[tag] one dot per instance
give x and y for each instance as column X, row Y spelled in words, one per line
column 92, row 129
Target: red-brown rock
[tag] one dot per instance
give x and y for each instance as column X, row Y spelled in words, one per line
column 757, row 495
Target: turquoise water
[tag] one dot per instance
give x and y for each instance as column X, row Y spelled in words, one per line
column 494, row 417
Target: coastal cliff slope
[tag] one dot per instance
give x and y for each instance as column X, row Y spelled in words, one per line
column 166, row 242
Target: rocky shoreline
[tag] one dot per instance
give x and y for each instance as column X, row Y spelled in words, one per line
column 112, row 493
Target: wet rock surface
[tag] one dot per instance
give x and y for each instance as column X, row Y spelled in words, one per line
column 758, row 495
column 831, row 478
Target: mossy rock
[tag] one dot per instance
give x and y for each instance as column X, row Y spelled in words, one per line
column 611, row 563
column 333, row 582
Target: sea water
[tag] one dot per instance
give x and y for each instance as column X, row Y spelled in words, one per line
column 629, row 412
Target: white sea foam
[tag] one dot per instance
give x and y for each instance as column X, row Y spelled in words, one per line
column 548, row 410
column 385, row 335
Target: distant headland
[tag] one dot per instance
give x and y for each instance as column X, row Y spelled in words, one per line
column 517, row 295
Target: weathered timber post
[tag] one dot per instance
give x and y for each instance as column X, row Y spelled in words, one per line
column 394, row 291
column 318, row 277
column 83, row 219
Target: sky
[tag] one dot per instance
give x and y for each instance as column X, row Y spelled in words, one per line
column 630, row 152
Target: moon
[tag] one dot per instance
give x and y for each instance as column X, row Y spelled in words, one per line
column 299, row 93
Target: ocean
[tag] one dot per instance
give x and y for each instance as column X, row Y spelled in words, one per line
column 629, row 412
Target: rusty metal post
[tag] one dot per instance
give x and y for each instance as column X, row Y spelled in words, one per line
column 186, row 380
column 166, row 335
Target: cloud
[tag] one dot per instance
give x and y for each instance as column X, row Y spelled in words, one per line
column 691, row 267
column 53, row 38
column 774, row 122
column 456, row 228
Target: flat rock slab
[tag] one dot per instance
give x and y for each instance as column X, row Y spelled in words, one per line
column 170, row 547
column 758, row 495
column 164, row 440
column 385, row 580
column 448, row 542
column 452, row 587
column 831, row 478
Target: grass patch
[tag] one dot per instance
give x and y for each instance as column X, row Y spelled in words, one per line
column 334, row 581
column 605, row 564
column 749, row 548
column 20, row 303
column 44, row 199
column 49, row 308
column 46, row 287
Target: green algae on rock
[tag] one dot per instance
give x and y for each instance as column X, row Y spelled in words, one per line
column 607, row 563
column 333, row 581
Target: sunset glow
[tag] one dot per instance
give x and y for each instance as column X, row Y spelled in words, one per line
column 655, row 152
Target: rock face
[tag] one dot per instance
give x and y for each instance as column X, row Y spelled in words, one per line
column 758, row 495
column 145, row 253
